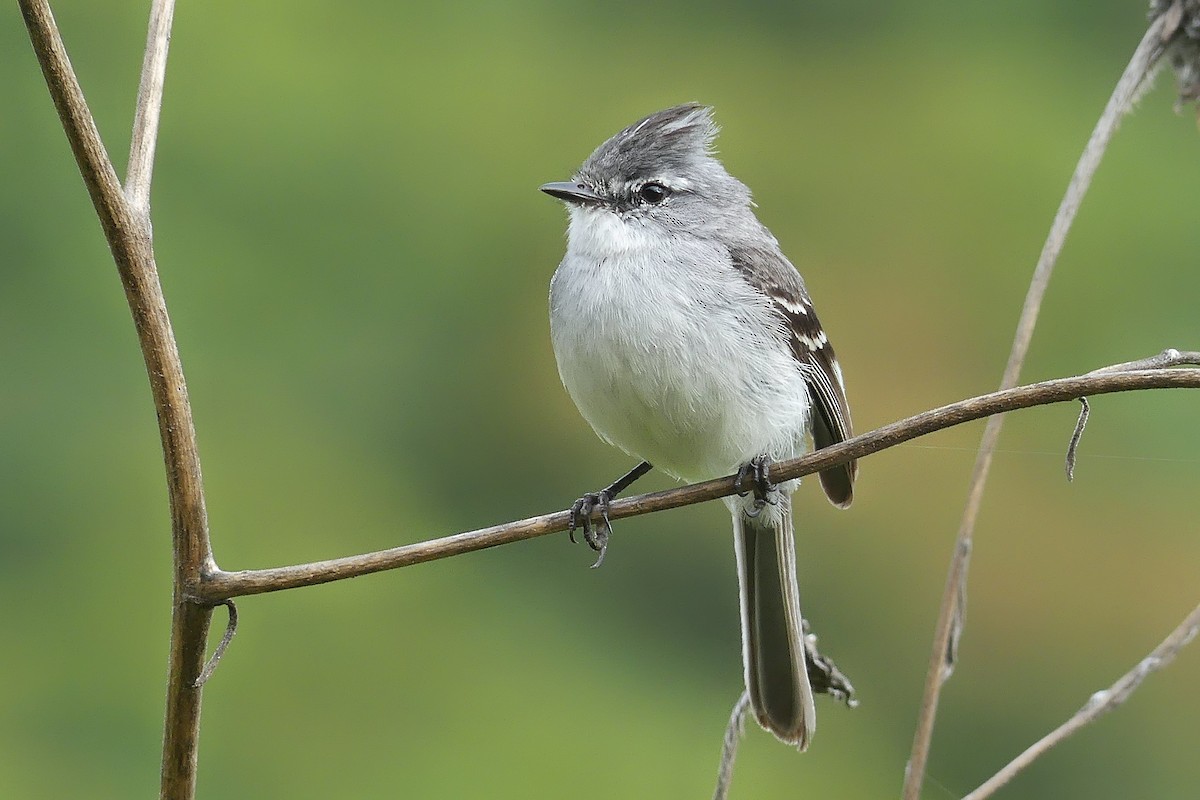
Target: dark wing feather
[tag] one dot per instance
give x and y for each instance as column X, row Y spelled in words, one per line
column 769, row 271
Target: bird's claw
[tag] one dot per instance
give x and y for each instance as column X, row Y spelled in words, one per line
column 596, row 535
column 755, row 470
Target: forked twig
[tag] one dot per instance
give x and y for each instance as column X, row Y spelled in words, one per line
column 125, row 217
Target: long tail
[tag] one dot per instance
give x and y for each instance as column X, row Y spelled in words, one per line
column 772, row 628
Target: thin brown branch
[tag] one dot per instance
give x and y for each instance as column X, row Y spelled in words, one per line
column 952, row 611
column 181, row 727
column 1099, row 703
column 219, row 585
column 149, row 106
column 126, row 224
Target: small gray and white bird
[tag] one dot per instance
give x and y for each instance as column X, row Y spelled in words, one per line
column 687, row 339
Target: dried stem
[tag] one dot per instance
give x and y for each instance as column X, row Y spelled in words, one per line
column 149, row 106
column 219, row 585
column 952, row 610
column 210, row 666
column 126, row 223
column 1099, row 703
column 1085, row 411
column 729, row 745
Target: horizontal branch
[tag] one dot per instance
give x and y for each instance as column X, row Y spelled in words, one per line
column 217, row 585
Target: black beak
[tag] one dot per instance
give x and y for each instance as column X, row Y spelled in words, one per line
column 573, row 192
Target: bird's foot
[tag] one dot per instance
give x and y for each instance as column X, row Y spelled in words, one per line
column 755, row 471
column 596, row 532
column 823, row 674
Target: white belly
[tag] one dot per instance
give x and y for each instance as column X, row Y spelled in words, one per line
column 696, row 382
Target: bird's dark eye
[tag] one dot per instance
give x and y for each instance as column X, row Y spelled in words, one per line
column 653, row 193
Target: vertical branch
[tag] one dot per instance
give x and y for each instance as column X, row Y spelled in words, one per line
column 126, row 222
column 149, row 105
column 181, row 729
column 953, row 607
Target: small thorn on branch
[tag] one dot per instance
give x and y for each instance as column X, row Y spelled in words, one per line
column 230, row 629
column 1085, row 411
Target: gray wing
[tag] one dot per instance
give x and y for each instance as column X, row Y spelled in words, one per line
column 770, row 272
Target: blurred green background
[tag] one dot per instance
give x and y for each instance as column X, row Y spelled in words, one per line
column 356, row 260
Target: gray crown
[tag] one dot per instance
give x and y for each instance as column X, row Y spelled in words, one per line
column 666, row 141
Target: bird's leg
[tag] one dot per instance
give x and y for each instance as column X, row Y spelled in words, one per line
column 755, row 471
column 583, row 509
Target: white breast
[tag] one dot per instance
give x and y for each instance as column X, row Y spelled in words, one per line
column 669, row 354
